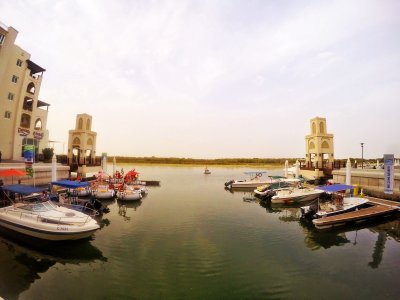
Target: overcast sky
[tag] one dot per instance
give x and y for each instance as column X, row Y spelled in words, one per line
column 210, row 79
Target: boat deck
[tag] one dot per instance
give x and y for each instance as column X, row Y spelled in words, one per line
column 380, row 208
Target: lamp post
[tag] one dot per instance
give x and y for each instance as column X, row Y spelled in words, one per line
column 362, row 155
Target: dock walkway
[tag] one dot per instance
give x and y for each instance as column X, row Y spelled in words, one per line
column 380, row 208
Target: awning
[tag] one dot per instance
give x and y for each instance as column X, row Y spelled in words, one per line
column 22, row 189
column 12, row 172
column 335, row 188
column 41, row 103
column 70, row 184
column 34, row 67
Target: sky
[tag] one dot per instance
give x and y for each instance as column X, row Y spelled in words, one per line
column 217, row 79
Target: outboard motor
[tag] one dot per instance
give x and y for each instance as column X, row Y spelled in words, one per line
column 310, row 212
column 229, row 183
column 268, row 196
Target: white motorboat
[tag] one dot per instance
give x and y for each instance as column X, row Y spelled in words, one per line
column 103, row 191
column 83, row 191
column 296, row 195
column 129, row 193
column 281, row 184
column 335, row 204
column 207, row 171
column 256, row 179
column 45, row 220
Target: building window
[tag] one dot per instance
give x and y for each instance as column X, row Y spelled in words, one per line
column 28, row 104
column 7, row 115
column 31, row 88
column 19, row 62
column 25, row 121
column 38, row 124
column 14, row 79
column 2, row 38
column 10, row 96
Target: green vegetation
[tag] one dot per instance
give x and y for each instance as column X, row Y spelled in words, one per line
column 48, row 153
column 199, row 161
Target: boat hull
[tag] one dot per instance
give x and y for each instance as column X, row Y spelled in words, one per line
column 129, row 196
column 53, row 232
column 295, row 199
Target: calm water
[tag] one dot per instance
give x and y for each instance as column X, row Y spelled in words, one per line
column 191, row 239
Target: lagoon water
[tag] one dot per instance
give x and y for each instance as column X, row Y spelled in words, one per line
column 192, row 239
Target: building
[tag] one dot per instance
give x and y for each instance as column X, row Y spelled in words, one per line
column 23, row 117
column 82, row 142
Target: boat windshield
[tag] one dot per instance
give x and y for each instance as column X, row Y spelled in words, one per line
column 38, row 207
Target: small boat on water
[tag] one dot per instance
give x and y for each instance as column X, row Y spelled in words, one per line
column 44, row 220
column 333, row 203
column 256, row 179
column 296, row 195
column 103, row 191
column 207, row 171
column 281, row 184
column 129, row 193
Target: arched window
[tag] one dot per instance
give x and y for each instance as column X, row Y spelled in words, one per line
column 321, row 127
column 38, row 124
column 88, row 124
column 311, row 145
column 313, row 128
column 25, row 121
column 325, row 145
column 31, row 88
column 80, row 123
column 90, row 142
column 28, row 104
column 76, row 141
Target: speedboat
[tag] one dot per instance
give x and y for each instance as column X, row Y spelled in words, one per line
column 256, row 179
column 281, row 184
column 333, row 203
column 296, row 195
column 45, row 220
column 207, row 171
column 83, row 191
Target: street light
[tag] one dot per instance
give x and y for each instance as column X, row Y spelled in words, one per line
column 362, row 155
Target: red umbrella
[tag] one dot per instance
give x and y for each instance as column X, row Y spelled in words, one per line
column 12, row 172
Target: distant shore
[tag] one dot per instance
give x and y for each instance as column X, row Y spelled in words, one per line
column 273, row 162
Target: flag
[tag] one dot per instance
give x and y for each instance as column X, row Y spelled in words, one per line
column 28, row 159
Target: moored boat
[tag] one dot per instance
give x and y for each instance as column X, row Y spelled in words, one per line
column 44, row 220
column 333, row 203
column 296, row 195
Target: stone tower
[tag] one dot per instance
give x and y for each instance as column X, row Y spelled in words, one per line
column 82, row 141
column 319, row 145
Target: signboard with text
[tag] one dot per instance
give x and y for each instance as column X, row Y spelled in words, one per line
column 388, row 160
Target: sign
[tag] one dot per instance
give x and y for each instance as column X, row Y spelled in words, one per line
column 28, row 159
column 38, row 135
column 23, row 132
column 388, row 172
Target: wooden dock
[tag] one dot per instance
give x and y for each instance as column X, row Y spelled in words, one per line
column 379, row 208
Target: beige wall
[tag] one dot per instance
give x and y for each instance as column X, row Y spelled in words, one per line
column 10, row 138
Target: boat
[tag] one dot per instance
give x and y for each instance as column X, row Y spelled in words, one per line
column 103, row 191
column 84, row 191
column 282, row 183
column 129, row 193
column 296, row 195
column 207, row 171
column 333, row 203
column 44, row 220
column 256, row 179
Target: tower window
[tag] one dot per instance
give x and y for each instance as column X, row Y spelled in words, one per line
column 2, row 38
column 19, row 62
column 14, row 79
column 10, row 96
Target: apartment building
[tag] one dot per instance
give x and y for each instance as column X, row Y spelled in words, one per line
column 23, row 117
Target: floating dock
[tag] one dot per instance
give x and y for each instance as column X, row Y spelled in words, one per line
column 379, row 208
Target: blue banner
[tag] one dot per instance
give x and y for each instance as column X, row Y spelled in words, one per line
column 29, row 151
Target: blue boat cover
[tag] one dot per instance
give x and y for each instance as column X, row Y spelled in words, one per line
column 335, row 187
column 22, row 189
column 70, row 184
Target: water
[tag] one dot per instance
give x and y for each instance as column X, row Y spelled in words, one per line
column 191, row 239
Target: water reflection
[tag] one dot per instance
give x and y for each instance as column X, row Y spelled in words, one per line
column 23, row 260
column 125, row 206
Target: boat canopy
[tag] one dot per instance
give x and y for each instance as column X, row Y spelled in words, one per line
column 70, row 184
column 335, row 188
column 22, row 189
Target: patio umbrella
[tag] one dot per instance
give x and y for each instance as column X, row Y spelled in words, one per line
column 11, row 173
